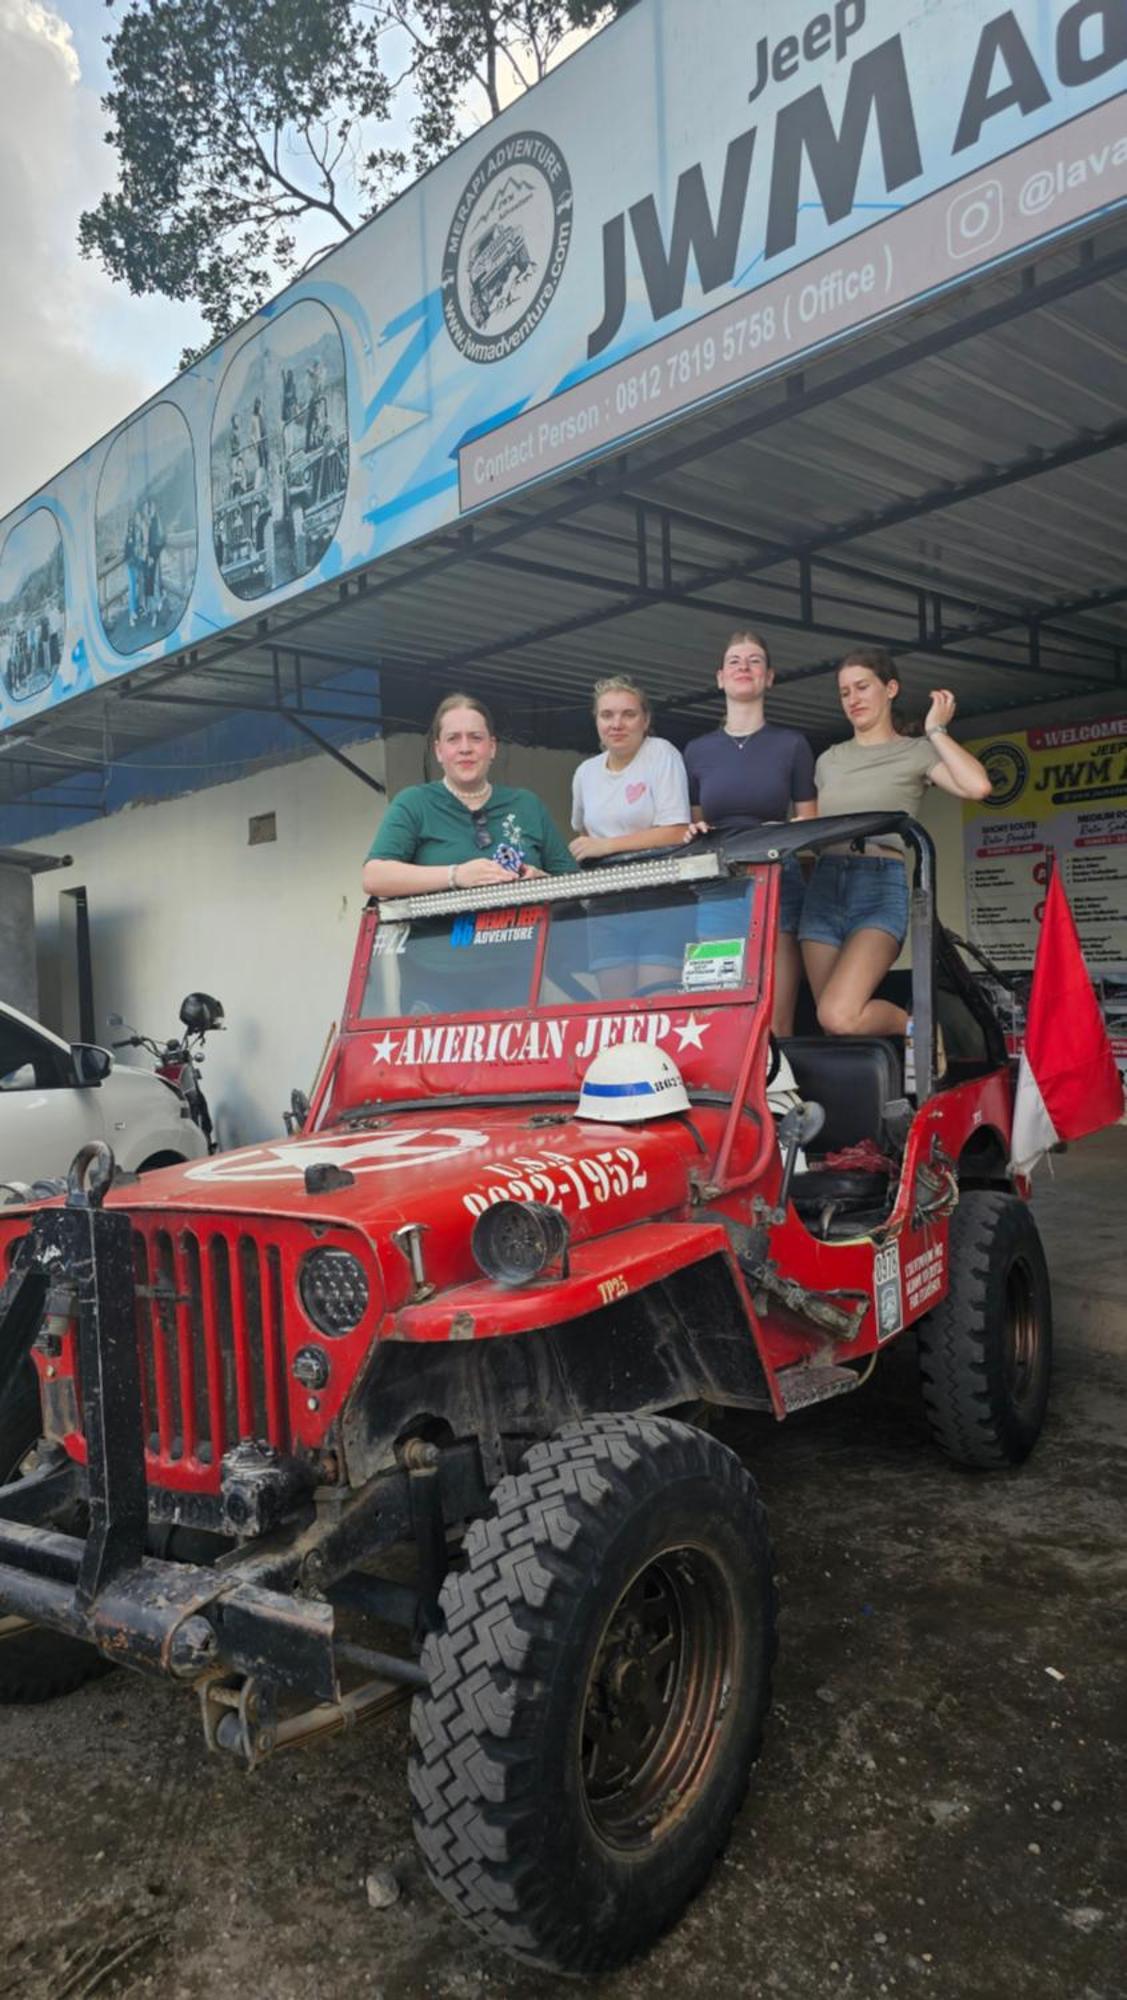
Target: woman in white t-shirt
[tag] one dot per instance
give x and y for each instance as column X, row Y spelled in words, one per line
column 635, row 794
column 632, row 798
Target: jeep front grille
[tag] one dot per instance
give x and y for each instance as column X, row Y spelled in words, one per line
column 210, row 1321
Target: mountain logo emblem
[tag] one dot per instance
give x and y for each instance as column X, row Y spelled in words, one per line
column 506, row 247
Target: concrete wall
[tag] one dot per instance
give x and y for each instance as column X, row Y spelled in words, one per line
column 180, row 899
column 18, row 978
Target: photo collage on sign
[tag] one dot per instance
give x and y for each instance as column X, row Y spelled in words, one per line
column 279, row 452
column 145, row 529
column 32, row 607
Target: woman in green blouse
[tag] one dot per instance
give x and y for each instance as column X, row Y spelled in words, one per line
column 463, row 831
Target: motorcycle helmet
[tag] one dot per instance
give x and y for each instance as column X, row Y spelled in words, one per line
column 624, row 1086
column 200, row 1013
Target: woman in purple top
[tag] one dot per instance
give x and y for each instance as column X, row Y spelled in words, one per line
column 747, row 773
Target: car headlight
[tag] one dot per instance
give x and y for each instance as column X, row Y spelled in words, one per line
column 334, row 1290
column 513, row 1240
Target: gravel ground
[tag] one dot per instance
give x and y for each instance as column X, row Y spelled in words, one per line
column 938, row 1810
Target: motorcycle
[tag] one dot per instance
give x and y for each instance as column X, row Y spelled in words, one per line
column 179, row 1062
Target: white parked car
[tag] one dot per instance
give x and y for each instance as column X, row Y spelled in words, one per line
column 54, row 1097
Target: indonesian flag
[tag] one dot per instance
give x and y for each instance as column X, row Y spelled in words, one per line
column 1067, row 1084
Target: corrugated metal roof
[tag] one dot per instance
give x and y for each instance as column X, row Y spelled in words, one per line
column 960, row 471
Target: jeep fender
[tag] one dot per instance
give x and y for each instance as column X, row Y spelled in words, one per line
column 487, row 1363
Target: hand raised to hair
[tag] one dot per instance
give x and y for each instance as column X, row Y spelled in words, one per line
column 941, row 714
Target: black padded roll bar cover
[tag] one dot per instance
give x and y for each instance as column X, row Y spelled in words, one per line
column 775, row 840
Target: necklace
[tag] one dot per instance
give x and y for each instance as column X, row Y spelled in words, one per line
column 479, row 796
column 741, row 742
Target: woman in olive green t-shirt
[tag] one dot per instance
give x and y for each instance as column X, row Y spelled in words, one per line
column 463, row 831
column 855, row 912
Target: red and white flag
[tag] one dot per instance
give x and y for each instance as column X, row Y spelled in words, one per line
column 1068, row 1084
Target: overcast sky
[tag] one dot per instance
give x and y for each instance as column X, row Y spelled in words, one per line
column 76, row 352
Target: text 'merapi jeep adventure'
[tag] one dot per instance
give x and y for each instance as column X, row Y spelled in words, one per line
column 546, row 1211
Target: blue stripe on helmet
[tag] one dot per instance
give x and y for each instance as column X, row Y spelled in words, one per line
column 643, row 1089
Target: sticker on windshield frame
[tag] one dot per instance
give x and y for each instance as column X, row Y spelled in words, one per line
column 715, row 963
column 390, row 940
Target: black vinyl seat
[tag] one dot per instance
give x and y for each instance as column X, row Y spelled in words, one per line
column 859, row 1082
column 855, row 1078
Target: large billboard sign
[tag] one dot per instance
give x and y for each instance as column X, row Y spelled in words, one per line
column 704, row 194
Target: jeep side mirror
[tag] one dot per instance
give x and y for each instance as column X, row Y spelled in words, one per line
column 801, row 1123
column 92, row 1064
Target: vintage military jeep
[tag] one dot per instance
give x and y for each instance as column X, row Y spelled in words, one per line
column 475, row 1313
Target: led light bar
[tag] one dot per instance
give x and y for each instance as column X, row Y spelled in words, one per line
column 556, row 888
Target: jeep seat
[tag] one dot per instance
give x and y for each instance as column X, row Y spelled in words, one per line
column 856, row 1079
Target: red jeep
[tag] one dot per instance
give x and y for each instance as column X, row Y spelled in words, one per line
column 470, row 1310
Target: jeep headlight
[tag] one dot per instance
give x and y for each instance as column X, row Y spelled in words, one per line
column 333, row 1286
column 513, row 1241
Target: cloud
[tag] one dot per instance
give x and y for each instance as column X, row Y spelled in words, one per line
column 65, row 377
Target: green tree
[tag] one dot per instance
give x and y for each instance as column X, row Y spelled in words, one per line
column 242, row 125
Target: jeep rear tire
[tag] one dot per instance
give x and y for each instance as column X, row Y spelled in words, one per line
column 598, row 1689
column 985, row 1353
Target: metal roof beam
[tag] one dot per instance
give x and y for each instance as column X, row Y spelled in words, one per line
column 857, row 572
column 1033, row 614
column 1027, row 297
column 331, row 750
column 256, row 708
column 1030, row 466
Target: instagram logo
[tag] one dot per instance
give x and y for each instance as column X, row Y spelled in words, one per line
column 974, row 219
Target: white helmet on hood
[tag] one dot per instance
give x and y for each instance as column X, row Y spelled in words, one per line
column 624, row 1086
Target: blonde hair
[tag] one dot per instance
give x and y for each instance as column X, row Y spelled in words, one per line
column 622, row 684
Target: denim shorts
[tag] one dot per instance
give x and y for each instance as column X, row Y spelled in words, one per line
column 854, row 892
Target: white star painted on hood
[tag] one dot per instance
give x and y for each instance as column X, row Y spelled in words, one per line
column 385, row 1048
column 366, row 1153
column 689, row 1033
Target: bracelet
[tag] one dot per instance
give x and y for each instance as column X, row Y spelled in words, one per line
column 940, row 729
column 452, row 875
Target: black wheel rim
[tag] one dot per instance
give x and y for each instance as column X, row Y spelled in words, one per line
column 1022, row 1345
column 657, row 1693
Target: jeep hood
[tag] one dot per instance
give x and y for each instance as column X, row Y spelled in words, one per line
column 440, row 1168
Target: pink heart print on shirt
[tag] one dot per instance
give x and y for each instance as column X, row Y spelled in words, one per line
column 635, row 792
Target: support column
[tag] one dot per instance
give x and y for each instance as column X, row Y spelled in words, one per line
column 19, row 983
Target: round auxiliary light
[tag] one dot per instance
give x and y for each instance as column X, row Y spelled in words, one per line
column 310, row 1367
column 513, row 1241
column 334, row 1290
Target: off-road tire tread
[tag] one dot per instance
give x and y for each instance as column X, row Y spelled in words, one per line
column 467, row 1764
column 965, row 1411
column 39, row 1665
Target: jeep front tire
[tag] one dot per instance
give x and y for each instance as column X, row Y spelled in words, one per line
column 598, row 1689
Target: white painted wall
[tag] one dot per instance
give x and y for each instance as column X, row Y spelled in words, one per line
column 179, row 899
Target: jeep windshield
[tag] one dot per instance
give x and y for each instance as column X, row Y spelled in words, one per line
column 576, row 947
